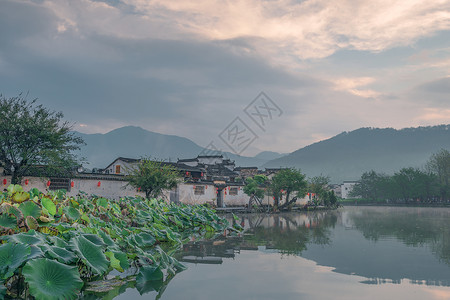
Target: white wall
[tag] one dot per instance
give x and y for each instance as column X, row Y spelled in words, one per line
column 346, row 188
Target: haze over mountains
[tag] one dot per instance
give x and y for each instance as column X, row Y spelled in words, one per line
column 347, row 155
column 343, row 157
column 135, row 142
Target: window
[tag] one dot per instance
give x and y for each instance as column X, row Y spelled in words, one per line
column 199, row 190
column 233, row 191
column 59, row 184
column 118, row 169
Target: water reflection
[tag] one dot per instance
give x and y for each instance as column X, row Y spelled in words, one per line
column 384, row 245
column 379, row 252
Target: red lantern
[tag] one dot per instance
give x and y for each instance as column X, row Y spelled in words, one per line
column 72, row 184
column 26, row 181
column 48, row 183
column 99, row 184
column 225, row 192
column 5, row 181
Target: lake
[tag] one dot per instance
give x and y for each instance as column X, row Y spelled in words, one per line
column 350, row 253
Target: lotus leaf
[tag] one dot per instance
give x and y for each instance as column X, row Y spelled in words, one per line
column 102, row 202
column 106, row 239
column 49, row 279
column 30, row 208
column 95, row 239
column 20, row 197
column 72, row 213
column 12, row 256
column 49, row 205
column 61, row 254
column 8, row 220
column 30, row 238
column 150, row 278
column 115, row 262
column 57, row 241
column 14, row 188
column 31, row 222
column 90, row 253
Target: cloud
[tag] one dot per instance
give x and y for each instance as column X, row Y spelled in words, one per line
column 189, row 68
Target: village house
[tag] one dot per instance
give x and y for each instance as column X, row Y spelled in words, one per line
column 205, row 179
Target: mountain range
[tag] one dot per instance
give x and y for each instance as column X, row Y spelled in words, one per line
column 347, row 155
column 343, row 157
column 135, row 142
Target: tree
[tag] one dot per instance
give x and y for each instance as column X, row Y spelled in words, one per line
column 369, row 185
column 319, row 185
column 152, row 177
column 439, row 164
column 32, row 135
column 254, row 187
column 288, row 181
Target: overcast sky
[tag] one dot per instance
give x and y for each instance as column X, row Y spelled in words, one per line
column 189, row 68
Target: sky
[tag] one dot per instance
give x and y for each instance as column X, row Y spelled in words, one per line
column 197, row 68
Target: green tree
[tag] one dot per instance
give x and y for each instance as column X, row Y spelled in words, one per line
column 439, row 164
column 369, row 186
column 31, row 135
column 152, row 177
column 289, row 181
column 319, row 186
column 254, row 186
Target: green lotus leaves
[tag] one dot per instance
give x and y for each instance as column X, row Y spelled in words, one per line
column 12, row 256
column 118, row 260
column 57, row 241
column 30, row 208
column 106, row 239
column 49, row 279
column 72, row 213
column 148, row 273
column 49, row 206
column 30, row 238
column 31, row 222
column 20, row 197
column 61, row 254
column 14, row 188
column 102, row 202
column 95, row 239
column 96, row 235
column 91, row 254
column 8, row 221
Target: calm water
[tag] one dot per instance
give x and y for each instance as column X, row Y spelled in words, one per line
column 352, row 253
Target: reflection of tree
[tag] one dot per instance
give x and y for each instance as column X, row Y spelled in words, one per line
column 290, row 234
column 413, row 227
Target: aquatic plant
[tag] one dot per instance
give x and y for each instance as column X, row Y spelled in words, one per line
column 53, row 241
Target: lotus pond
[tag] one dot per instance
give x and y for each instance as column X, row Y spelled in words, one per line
column 58, row 247
column 349, row 253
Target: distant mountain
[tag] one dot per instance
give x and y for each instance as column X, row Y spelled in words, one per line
column 269, row 155
column 349, row 154
column 135, row 142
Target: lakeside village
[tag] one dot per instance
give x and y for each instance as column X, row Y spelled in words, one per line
column 210, row 179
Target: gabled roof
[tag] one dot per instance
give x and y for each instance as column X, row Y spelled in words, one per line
column 187, row 160
column 210, row 156
column 125, row 159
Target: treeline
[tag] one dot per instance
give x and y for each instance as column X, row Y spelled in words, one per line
column 430, row 184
